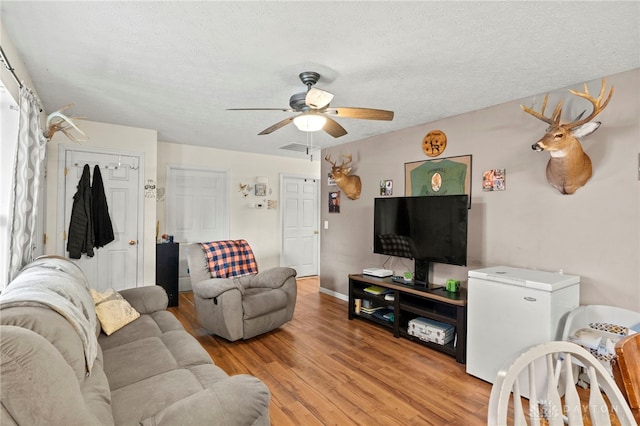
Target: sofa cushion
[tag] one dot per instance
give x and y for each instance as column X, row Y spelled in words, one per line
column 136, row 361
column 185, row 349
column 113, row 311
column 136, row 357
column 144, row 398
column 146, row 326
column 219, row 402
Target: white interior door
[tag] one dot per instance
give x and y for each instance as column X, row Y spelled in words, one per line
column 116, row 264
column 300, row 230
column 197, row 208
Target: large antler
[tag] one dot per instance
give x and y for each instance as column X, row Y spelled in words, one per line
column 349, row 157
column 328, row 158
column 597, row 106
column 59, row 122
column 554, row 120
column 343, row 164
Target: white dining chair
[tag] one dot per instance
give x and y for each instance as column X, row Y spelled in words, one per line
column 552, row 390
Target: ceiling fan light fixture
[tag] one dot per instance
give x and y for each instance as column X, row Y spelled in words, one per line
column 309, row 122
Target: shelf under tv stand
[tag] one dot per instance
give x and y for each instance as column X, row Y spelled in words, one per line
column 412, row 301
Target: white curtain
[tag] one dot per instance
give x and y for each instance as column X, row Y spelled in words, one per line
column 28, row 167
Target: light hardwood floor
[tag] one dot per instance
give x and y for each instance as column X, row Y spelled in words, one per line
column 323, row 369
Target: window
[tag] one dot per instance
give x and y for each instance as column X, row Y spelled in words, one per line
column 9, row 135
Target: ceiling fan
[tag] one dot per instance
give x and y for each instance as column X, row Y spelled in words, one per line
column 315, row 112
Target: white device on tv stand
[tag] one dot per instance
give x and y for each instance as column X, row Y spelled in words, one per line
column 377, row 272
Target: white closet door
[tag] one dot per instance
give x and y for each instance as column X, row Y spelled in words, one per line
column 116, row 264
column 197, row 204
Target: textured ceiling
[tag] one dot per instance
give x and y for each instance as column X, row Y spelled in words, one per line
column 176, row 66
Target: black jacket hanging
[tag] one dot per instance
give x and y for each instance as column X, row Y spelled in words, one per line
column 80, row 238
column 102, row 228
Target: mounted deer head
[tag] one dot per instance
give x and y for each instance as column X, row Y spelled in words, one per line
column 569, row 167
column 350, row 184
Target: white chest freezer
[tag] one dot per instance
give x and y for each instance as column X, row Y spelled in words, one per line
column 510, row 309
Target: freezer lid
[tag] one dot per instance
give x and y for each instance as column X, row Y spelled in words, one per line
column 541, row 280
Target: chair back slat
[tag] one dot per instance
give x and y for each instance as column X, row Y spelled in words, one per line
column 597, row 406
column 554, row 404
column 518, row 410
column 571, row 397
column 534, row 408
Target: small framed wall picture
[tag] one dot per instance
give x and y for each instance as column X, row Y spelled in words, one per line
column 334, row 202
column 386, row 188
column 494, row 180
column 261, row 189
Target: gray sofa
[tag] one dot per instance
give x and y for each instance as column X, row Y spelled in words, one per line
column 150, row 372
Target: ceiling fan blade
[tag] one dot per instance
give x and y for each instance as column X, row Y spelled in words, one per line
column 318, row 98
column 276, row 126
column 334, row 128
column 363, row 113
column 260, row 109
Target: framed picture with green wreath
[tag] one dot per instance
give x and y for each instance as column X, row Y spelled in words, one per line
column 442, row 176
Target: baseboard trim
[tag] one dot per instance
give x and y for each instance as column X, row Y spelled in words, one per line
column 334, row 294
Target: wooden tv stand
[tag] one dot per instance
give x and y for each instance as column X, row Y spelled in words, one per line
column 410, row 302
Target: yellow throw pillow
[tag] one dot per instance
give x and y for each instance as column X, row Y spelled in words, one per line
column 114, row 312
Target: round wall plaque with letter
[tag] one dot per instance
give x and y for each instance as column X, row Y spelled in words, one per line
column 434, row 143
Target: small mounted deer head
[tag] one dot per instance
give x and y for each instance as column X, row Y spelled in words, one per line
column 569, row 167
column 350, row 184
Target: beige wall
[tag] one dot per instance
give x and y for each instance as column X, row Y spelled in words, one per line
column 594, row 233
column 109, row 137
column 260, row 227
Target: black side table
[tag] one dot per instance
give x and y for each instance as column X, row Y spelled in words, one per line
column 167, row 270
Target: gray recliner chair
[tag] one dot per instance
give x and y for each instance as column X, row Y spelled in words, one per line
column 241, row 307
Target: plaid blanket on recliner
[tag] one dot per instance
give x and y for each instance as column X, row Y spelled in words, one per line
column 231, row 258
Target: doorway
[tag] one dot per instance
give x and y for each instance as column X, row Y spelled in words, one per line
column 197, row 204
column 117, row 265
column 197, row 210
column 300, row 224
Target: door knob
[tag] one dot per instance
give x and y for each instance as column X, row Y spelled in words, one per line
column 132, row 242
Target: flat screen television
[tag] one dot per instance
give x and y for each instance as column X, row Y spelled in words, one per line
column 425, row 228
